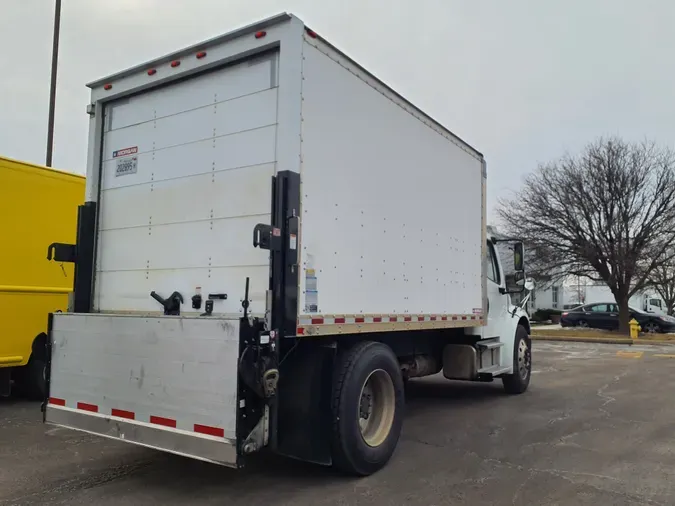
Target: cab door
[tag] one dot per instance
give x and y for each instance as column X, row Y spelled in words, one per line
column 497, row 303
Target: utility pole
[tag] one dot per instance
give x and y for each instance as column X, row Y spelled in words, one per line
column 52, row 88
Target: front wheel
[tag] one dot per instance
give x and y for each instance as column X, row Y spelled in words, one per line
column 31, row 379
column 652, row 328
column 368, row 401
column 518, row 382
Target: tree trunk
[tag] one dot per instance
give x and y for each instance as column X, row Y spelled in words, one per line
column 624, row 314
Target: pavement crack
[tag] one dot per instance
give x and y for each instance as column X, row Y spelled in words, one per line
column 516, row 494
column 562, row 473
column 608, row 399
column 564, row 416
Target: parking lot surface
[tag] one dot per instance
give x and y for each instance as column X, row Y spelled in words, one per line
column 595, row 428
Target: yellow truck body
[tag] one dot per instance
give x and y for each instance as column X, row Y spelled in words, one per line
column 38, row 206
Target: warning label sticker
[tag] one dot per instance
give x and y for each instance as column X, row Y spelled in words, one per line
column 126, row 163
column 125, row 152
column 311, row 292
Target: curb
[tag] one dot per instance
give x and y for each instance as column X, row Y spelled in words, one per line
column 618, row 340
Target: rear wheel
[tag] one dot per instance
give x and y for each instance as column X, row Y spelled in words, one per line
column 368, row 400
column 518, row 382
column 582, row 324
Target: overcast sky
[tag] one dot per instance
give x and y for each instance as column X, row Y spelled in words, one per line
column 521, row 80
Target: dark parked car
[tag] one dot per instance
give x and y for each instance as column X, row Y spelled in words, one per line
column 605, row 315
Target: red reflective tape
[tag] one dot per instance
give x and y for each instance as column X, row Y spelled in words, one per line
column 339, row 320
column 359, row 320
column 444, row 318
column 57, row 402
column 420, row 318
column 393, row 319
column 433, row 318
column 377, row 319
column 407, row 319
column 210, row 431
column 317, row 321
column 301, row 331
column 84, row 406
column 167, row 422
column 455, row 318
column 123, row 414
column 463, row 317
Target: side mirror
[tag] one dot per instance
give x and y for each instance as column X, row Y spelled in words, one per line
column 518, row 254
column 529, row 284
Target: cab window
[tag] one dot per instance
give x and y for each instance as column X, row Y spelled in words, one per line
column 492, row 267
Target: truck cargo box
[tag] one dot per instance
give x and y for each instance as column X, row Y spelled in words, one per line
column 391, row 204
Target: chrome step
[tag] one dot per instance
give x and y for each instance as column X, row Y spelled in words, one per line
column 489, row 345
column 495, row 370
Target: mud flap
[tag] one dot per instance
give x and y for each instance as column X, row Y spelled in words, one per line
column 304, row 403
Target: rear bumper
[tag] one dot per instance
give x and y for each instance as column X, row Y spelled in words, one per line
column 188, row 444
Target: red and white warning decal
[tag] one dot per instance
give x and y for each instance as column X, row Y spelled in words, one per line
column 125, row 152
column 170, row 423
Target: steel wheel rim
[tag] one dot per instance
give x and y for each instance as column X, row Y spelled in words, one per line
column 376, row 407
column 583, row 324
column 524, row 359
column 651, row 328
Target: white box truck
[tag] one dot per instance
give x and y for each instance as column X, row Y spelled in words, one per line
column 273, row 243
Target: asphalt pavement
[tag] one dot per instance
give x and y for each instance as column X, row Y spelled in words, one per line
column 595, row 428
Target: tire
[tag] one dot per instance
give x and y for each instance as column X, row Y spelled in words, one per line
column 367, row 404
column 34, row 381
column 652, row 328
column 518, row 382
column 582, row 324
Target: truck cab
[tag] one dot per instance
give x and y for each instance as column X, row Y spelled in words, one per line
column 654, row 305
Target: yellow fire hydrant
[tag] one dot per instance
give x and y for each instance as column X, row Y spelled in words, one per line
column 634, row 328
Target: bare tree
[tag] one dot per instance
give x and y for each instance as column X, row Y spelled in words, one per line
column 662, row 279
column 607, row 214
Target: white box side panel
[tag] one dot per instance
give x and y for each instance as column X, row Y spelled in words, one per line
column 176, row 369
column 391, row 209
column 185, row 177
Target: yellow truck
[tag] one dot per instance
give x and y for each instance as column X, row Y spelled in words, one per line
column 38, row 206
